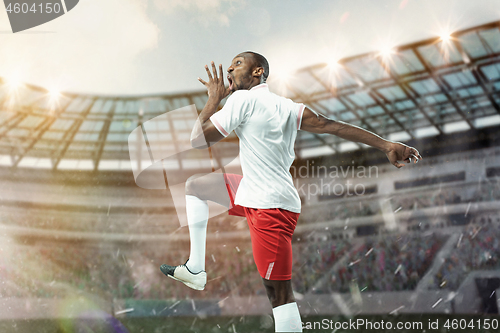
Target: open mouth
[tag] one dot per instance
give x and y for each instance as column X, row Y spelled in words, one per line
column 230, row 80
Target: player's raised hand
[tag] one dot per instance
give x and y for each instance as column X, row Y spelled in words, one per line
column 215, row 85
column 401, row 152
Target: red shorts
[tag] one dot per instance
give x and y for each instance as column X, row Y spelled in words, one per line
column 271, row 232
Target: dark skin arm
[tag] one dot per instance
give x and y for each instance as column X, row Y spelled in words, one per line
column 204, row 132
column 395, row 151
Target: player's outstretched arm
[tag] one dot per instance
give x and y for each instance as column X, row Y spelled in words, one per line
column 204, row 131
column 395, row 151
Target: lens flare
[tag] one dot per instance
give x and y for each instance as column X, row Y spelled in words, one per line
column 54, row 94
column 386, row 51
column 14, row 82
column 333, row 63
column 445, row 36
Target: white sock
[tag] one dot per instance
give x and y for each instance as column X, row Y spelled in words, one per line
column 287, row 318
column 197, row 216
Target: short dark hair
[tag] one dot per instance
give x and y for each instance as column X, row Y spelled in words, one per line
column 260, row 61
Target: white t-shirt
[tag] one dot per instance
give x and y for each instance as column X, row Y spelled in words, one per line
column 266, row 125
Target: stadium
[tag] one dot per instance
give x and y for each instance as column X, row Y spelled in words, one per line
column 82, row 240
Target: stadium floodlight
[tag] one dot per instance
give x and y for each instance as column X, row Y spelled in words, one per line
column 281, row 74
column 14, row 82
column 445, row 37
column 54, row 94
column 280, row 77
column 333, row 63
column 386, row 51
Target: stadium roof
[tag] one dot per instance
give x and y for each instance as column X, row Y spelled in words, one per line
column 437, row 86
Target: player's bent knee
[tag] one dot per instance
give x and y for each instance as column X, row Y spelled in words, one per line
column 193, row 185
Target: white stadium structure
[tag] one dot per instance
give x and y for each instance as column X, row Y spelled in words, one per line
column 78, row 234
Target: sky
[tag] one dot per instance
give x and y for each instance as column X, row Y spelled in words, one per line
column 134, row 47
